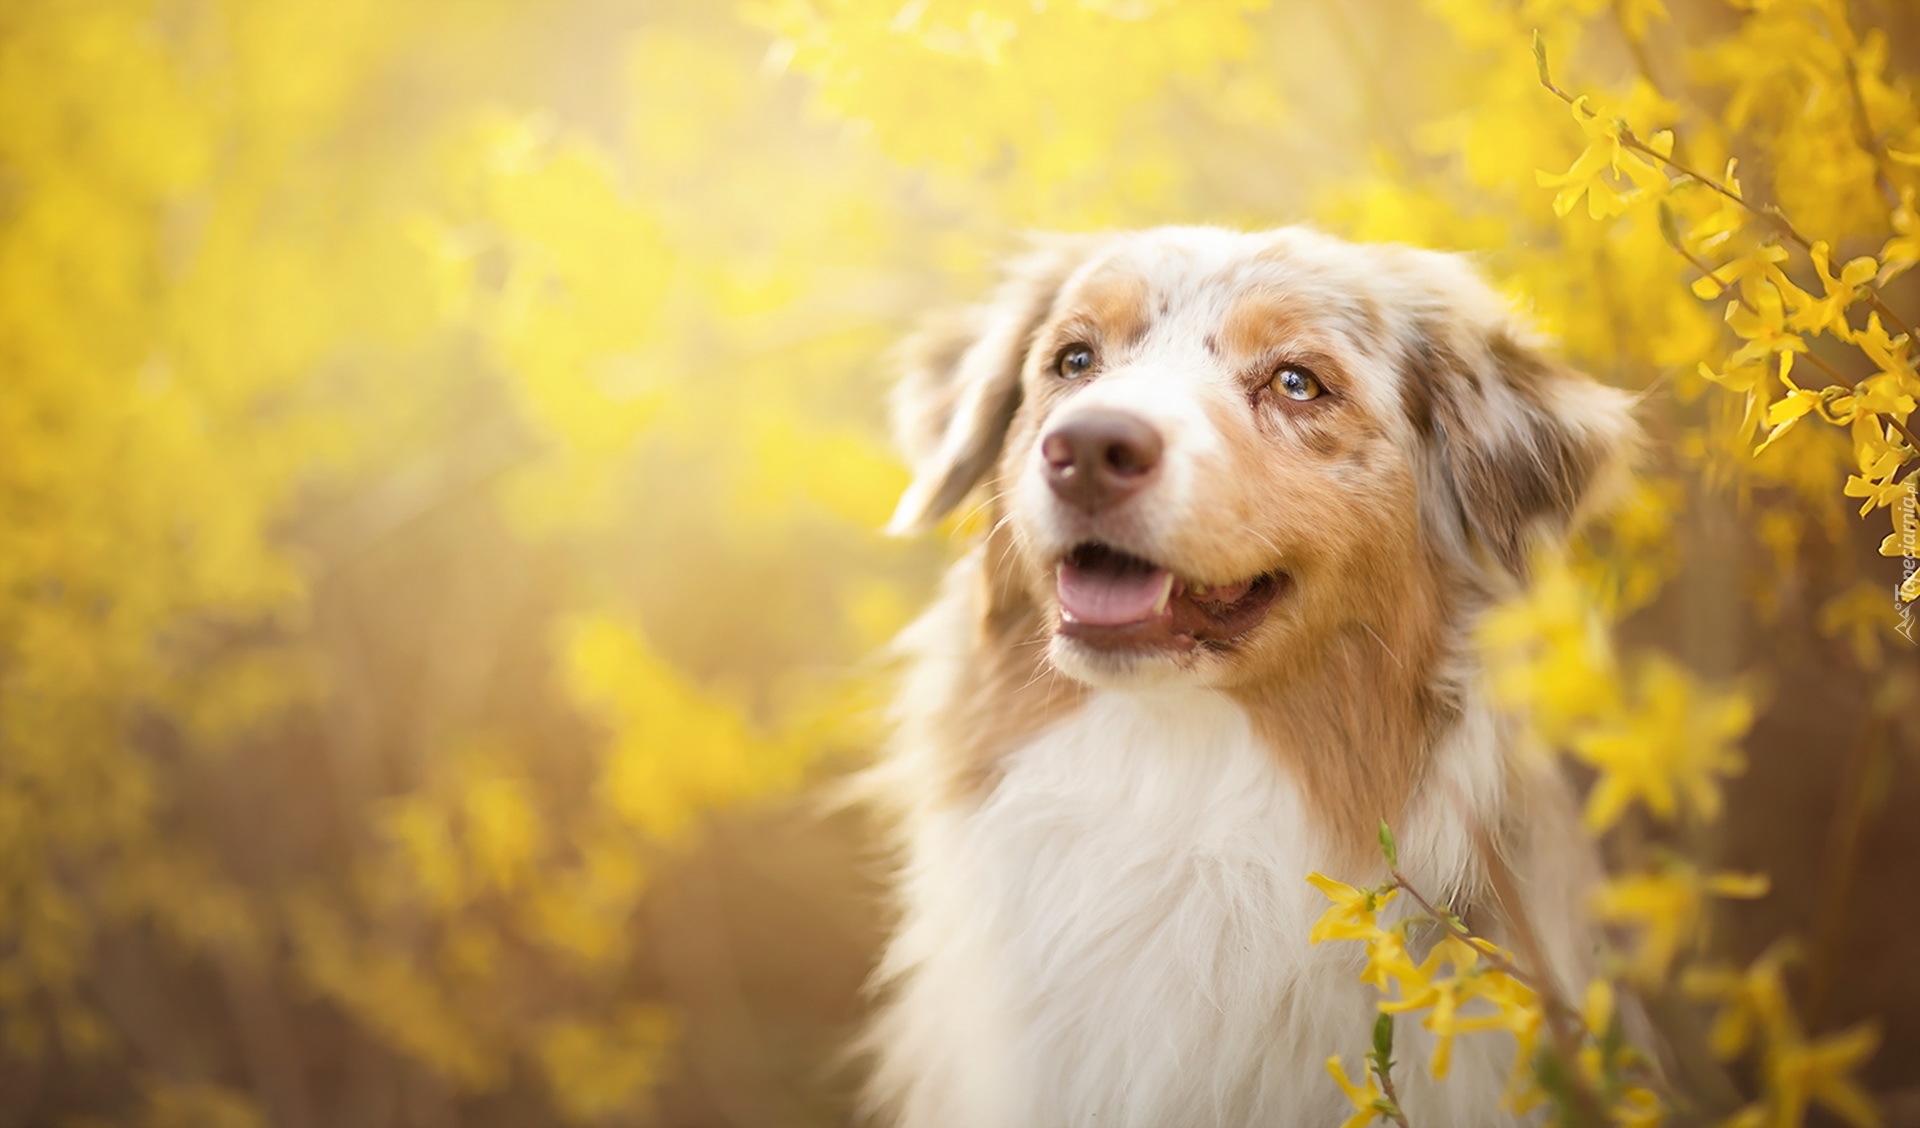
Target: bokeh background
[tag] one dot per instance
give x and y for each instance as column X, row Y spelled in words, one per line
column 442, row 447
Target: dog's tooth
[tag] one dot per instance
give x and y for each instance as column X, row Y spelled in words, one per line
column 1166, row 593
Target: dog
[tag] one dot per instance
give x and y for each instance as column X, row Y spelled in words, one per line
column 1244, row 496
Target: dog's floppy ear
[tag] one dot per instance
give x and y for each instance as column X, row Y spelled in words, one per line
column 1526, row 444
column 961, row 383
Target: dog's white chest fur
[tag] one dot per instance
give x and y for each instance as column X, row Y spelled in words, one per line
column 1146, row 860
column 1117, row 936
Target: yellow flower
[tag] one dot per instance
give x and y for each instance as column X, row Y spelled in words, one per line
column 1548, row 653
column 1762, row 322
column 1903, row 250
column 1904, row 540
column 1666, row 749
column 1518, row 1011
column 1888, row 353
column 1443, row 996
column 1875, row 482
column 1802, row 1072
column 1369, row 1103
column 1797, row 1071
column 1352, row 916
column 1388, row 962
column 1859, row 615
column 1713, row 231
column 1605, row 152
column 1884, row 393
column 1786, row 412
column 1636, row 14
column 1749, row 1000
column 1665, row 908
column 1750, row 272
column 1828, row 313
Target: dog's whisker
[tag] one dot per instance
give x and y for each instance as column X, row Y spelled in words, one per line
column 1383, row 645
column 1262, row 537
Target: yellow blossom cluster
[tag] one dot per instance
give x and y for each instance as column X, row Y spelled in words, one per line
column 1466, row 984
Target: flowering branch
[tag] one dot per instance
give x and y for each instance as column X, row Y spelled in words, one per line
column 1845, row 385
column 1771, row 213
column 1560, row 1017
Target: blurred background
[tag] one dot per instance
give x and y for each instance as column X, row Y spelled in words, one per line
column 442, row 446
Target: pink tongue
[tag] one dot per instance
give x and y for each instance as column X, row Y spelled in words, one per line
column 1111, row 599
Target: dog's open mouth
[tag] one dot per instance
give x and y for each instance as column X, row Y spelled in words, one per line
column 1113, row 600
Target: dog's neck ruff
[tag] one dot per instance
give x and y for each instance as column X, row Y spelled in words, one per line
column 1115, row 934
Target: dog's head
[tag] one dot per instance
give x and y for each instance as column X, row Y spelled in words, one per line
column 1209, row 449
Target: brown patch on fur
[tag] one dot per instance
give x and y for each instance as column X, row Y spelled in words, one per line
column 1337, row 435
column 1324, row 442
column 1109, row 310
column 1354, row 717
column 1009, row 669
column 1371, row 327
column 1419, row 382
column 1258, row 322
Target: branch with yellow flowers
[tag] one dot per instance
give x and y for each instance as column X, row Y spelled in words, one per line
column 1772, row 314
column 1589, row 1071
column 1516, row 1001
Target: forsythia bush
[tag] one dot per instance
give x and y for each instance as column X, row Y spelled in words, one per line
column 440, row 450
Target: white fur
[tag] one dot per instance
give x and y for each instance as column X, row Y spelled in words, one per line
column 1116, row 935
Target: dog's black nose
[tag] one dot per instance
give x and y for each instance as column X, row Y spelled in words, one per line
column 1100, row 457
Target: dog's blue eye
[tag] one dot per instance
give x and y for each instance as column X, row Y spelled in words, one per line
column 1296, row 383
column 1074, row 361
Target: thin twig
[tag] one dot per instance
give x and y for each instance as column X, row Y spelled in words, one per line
column 1893, row 319
column 1452, row 924
column 1902, row 428
column 1397, row 1115
column 1556, row 1011
column 1832, row 372
column 1705, row 270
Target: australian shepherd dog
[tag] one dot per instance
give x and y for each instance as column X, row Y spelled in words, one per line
column 1243, row 496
